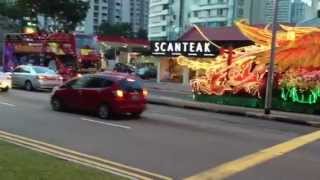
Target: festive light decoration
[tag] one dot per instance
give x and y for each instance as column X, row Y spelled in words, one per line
column 243, row 71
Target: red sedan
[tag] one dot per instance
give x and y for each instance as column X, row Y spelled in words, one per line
column 105, row 93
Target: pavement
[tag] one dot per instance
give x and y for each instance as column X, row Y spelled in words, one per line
column 178, row 95
column 169, row 141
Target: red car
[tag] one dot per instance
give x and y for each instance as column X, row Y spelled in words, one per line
column 105, row 93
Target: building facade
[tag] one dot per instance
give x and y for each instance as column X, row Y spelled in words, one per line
column 168, row 19
column 134, row 12
column 300, row 11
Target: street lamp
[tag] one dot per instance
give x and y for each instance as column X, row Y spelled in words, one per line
column 268, row 97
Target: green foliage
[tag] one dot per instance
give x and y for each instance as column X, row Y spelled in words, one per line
column 119, row 29
column 66, row 14
column 19, row 163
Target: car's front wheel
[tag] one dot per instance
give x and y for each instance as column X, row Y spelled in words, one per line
column 28, row 86
column 56, row 104
column 104, row 111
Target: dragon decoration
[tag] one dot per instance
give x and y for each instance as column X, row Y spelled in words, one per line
column 243, row 70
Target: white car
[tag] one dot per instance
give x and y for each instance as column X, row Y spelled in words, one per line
column 5, row 81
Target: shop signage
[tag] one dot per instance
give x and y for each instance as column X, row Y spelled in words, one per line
column 185, row 48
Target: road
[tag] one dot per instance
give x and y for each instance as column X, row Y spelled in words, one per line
column 173, row 142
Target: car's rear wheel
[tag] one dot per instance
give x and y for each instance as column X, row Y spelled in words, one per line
column 104, row 111
column 136, row 114
column 28, row 86
column 56, row 104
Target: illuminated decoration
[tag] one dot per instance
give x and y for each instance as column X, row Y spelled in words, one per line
column 243, row 71
column 55, row 48
column 86, row 52
column 29, row 30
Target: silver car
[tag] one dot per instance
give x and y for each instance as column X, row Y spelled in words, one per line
column 35, row 78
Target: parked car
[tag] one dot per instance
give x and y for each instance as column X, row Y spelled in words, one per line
column 35, row 77
column 147, row 72
column 5, row 81
column 106, row 94
column 123, row 68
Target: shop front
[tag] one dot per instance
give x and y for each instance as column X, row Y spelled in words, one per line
column 198, row 48
column 119, row 49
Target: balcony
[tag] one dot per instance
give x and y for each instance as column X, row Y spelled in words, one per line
column 207, row 7
column 158, row 2
column 160, row 13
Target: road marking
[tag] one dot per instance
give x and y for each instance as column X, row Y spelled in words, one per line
column 7, row 104
column 106, row 124
column 233, row 167
column 81, row 158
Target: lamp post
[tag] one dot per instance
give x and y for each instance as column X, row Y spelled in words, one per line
column 268, row 97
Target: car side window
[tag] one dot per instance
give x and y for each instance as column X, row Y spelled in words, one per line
column 98, row 82
column 25, row 70
column 17, row 70
column 80, row 83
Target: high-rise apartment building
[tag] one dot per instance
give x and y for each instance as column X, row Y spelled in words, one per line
column 133, row 12
column 301, row 11
column 168, row 18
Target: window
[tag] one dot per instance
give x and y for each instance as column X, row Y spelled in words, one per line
column 43, row 70
column 240, row 12
column 195, row 14
column 98, row 82
column 96, row 1
column 18, row 70
column 96, row 8
column 131, row 85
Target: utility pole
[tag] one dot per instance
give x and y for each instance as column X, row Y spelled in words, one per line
column 268, row 97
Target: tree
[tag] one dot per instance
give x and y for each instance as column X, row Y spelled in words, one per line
column 65, row 14
column 11, row 11
column 119, row 29
column 142, row 34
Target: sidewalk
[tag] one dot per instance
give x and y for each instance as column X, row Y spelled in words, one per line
column 167, row 87
column 288, row 117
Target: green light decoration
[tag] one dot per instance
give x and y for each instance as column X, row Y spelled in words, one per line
column 292, row 93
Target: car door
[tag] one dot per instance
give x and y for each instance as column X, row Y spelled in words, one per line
column 71, row 93
column 91, row 94
column 18, row 76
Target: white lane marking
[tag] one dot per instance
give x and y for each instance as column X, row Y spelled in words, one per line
column 105, row 123
column 7, row 104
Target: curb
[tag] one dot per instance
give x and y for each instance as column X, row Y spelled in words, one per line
column 230, row 110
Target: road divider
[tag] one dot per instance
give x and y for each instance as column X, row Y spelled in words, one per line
column 231, row 168
column 81, row 158
column 106, row 123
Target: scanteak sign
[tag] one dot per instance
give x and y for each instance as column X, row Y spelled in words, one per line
column 185, row 48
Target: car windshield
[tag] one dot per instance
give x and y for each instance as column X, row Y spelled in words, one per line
column 43, row 70
column 131, row 85
column 83, row 42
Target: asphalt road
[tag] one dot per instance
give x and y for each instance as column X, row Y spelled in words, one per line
column 173, row 142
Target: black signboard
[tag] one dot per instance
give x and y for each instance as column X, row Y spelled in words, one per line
column 185, row 48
